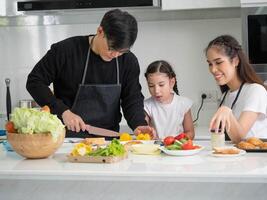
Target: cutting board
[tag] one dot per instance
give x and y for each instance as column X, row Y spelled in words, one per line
column 96, row 159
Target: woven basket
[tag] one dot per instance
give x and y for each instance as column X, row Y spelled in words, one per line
column 40, row 145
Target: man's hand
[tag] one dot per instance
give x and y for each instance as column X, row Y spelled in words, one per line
column 73, row 122
column 146, row 129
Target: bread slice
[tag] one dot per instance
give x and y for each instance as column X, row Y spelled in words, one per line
column 263, row 145
column 226, row 150
column 245, row 145
column 96, row 141
column 255, row 141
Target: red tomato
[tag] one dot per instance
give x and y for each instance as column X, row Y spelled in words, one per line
column 168, row 140
column 181, row 136
column 188, row 145
column 10, row 127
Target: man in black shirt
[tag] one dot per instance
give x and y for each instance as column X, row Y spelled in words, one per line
column 93, row 76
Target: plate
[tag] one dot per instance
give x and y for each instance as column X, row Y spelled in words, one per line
column 142, row 141
column 181, row 152
column 145, row 149
column 256, row 150
column 242, row 152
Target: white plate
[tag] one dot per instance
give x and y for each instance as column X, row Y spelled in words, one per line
column 242, row 152
column 145, row 149
column 181, row 152
column 143, row 141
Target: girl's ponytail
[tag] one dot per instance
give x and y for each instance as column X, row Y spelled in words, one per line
column 175, row 88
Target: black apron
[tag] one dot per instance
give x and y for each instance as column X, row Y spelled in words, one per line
column 97, row 104
column 233, row 104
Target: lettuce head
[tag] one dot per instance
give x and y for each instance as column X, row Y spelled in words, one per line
column 32, row 120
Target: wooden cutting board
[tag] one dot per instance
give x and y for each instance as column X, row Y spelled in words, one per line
column 96, row 159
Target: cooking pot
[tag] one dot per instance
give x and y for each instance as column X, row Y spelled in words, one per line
column 27, row 103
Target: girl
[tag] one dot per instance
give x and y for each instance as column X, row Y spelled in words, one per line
column 167, row 112
column 243, row 108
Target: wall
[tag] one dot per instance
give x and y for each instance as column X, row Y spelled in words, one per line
column 181, row 42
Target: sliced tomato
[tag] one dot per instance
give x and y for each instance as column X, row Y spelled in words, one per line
column 181, row 136
column 168, row 140
column 188, row 145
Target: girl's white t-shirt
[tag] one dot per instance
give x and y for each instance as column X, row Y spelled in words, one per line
column 253, row 97
column 168, row 119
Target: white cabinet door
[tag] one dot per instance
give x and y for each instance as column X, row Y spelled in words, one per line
column 197, row 4
column 253, row 3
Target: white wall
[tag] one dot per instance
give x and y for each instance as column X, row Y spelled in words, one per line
column 181, row 42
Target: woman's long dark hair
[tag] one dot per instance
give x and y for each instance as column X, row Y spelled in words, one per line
column 162, row 66
column 231, row 48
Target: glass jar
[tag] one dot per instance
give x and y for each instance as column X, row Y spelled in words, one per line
column 2, row 124
column 217, row 139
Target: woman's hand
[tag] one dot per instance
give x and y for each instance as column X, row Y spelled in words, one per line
column 73, row 122
column 221, row 120
column 146, row 129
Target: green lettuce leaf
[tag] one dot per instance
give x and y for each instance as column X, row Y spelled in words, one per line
column 32, row 120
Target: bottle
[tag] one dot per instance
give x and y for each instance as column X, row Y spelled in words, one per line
column 217, row 139
column 2, row 124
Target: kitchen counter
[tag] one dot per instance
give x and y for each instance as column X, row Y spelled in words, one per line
column 200, row 176
column 251, row 167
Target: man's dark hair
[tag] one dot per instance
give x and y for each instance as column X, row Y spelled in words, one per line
column 120, row 28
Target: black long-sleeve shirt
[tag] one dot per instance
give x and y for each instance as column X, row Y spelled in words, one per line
column 63, row 65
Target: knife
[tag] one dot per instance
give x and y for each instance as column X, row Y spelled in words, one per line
column 8, row 98
column 102, row 132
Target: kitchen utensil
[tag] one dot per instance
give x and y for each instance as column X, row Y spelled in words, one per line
column 102, row 132
column 27, row 103
column 8, row 98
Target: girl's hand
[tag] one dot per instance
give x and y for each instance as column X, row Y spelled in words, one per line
column 221, row 120
column 73, row 122
column 146, row 129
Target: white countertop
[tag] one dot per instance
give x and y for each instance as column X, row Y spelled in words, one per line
column 202, row 167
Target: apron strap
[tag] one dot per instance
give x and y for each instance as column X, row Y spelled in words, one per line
column 86, row 65
column 118, row 71
column 233, row 104
column 236, row 97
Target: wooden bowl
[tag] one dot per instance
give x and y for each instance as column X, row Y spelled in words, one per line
column 40, row 145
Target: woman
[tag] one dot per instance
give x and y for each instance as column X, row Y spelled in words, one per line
column 243, row 108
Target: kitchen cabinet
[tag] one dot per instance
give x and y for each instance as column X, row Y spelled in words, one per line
column 253, row 3
column 199, row 4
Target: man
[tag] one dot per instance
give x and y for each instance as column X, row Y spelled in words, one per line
column 93, row 76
